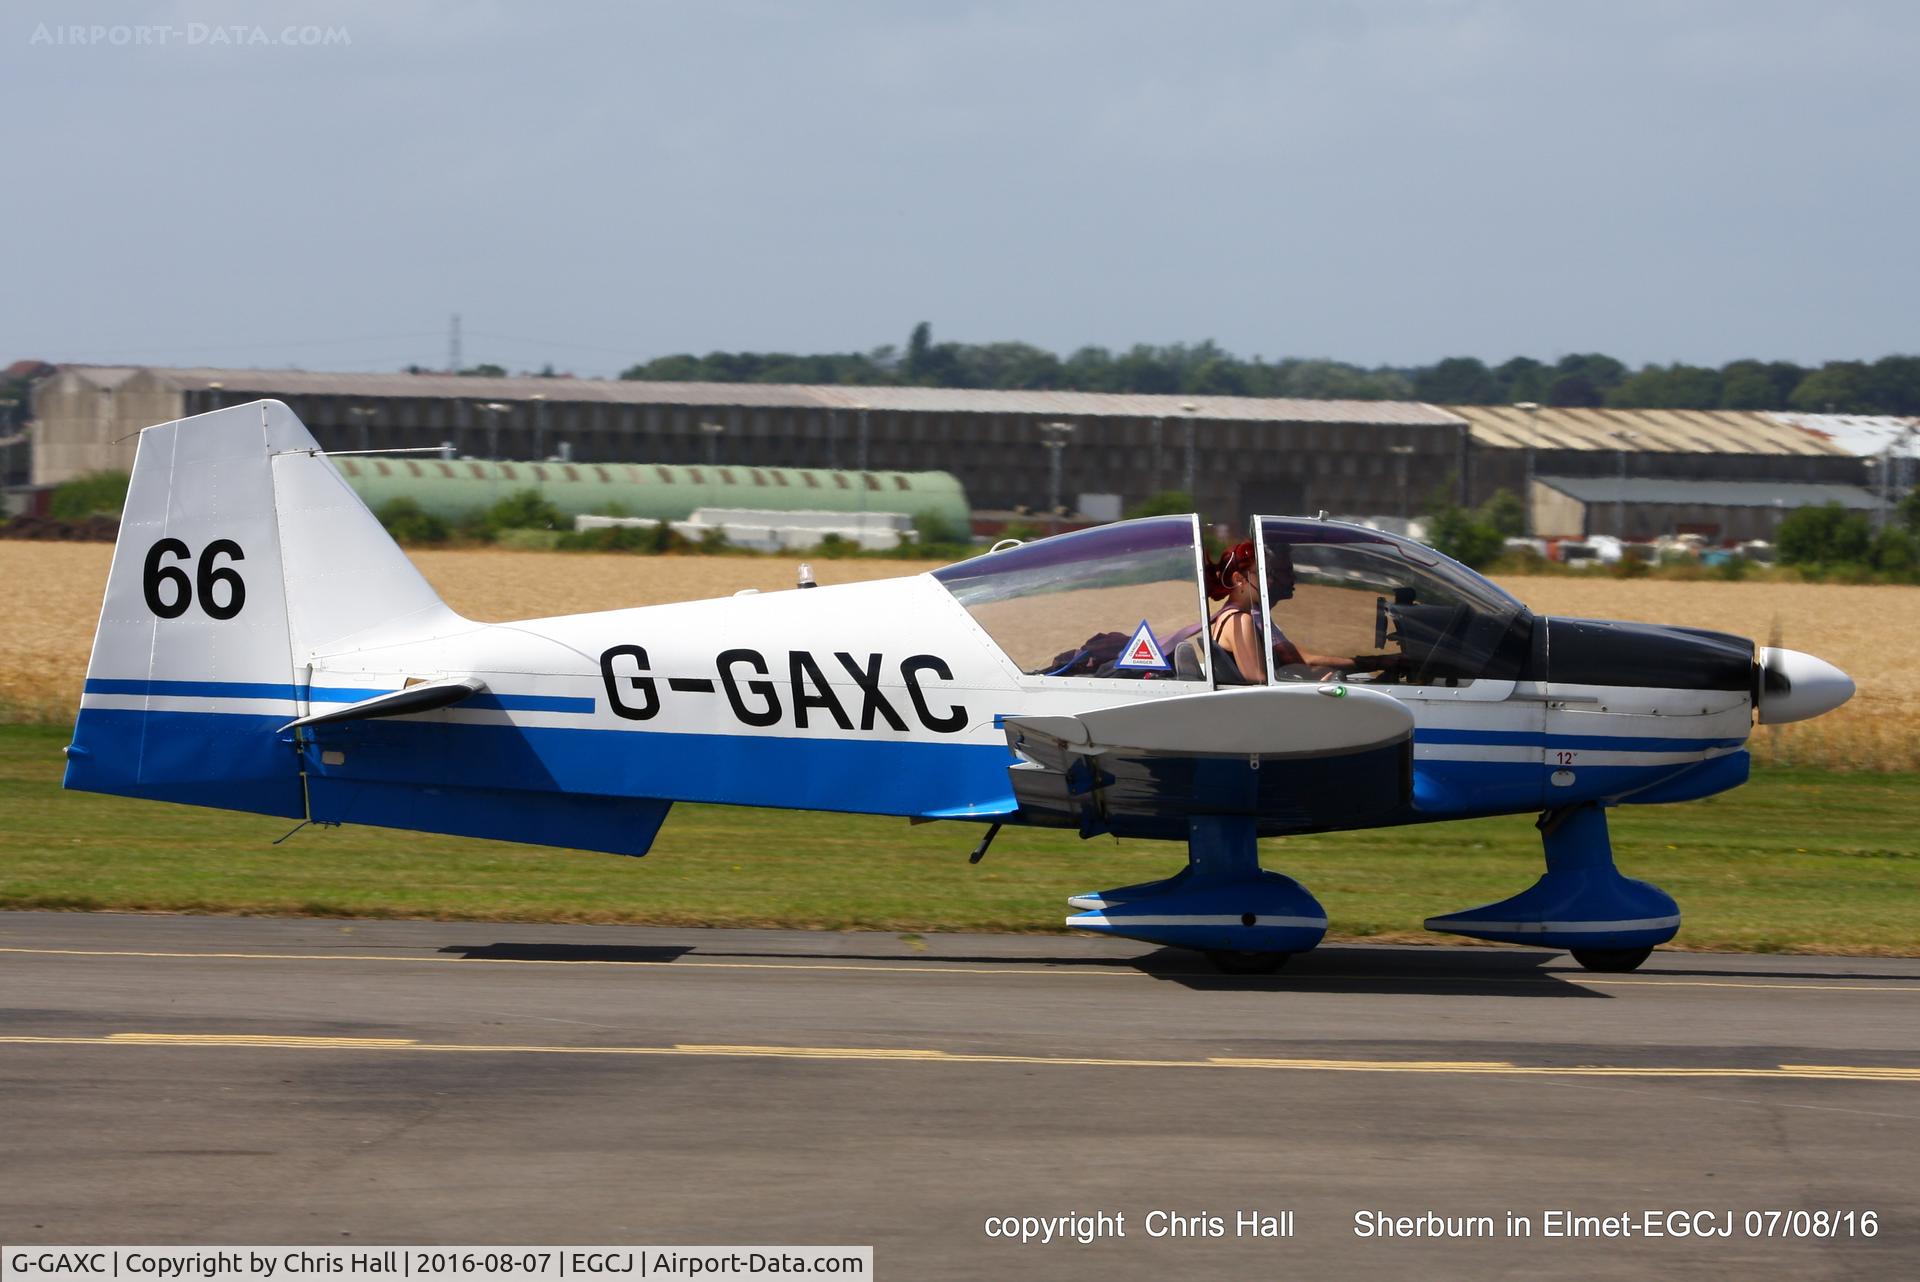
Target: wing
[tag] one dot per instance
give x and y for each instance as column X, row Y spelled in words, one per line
column 1299, row 758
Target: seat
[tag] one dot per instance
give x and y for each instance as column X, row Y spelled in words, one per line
column 1187, row 663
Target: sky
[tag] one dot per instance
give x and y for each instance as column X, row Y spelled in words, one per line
column 593, row 184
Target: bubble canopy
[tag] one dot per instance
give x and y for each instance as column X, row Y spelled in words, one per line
column 1343, row 600
column 1336, row 589
column 1066, row 605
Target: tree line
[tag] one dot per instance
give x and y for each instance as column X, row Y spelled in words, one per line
column 1890, row 385
column 1831, row 541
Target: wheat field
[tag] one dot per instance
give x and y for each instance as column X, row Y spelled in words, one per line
column 53, row 592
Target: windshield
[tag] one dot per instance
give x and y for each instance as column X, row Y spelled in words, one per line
column 1118, row 600
column 1405, row 613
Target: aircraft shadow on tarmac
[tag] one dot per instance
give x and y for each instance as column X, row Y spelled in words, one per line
column 1433, row 971
column 639, row 955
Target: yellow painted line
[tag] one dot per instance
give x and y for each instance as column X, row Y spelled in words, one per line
column 1115, row 971
column 259, row 1039
column 1798, row 1071
column 812, row 1052
column 1366, row 1065
column 1489, row 1068
column 1575, row 977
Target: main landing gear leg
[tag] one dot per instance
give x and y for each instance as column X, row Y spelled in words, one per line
column 1582, row 903
column 1245, row 919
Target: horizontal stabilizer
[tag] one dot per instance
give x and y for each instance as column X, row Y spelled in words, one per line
column 424, row 697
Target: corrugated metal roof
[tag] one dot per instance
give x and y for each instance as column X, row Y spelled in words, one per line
column 106, row 376
column 1781, row 494
column 1650, row 431
column 937, row 400
column 956, row 400
column 294, row 382
column 1862, row 435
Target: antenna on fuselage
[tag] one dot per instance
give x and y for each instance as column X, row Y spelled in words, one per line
column 980, row 851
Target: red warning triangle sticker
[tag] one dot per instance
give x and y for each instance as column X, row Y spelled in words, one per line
column 1143, row 652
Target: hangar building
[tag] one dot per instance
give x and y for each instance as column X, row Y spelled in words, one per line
column 1641, row 509
column 1245, row 454
column 1511, row 444
column 1248, row 454
column 1729, row 475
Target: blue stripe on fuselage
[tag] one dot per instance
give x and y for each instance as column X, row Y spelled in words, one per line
column 322, row 694
column 1435, row 736
column 240, row 761
column 1541, row 739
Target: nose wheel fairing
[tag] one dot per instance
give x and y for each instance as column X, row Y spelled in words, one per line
column 1581, row 902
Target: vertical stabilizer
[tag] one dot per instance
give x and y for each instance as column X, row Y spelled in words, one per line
column 242, row 554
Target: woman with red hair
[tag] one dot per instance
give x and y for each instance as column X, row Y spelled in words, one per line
column 1239, row 656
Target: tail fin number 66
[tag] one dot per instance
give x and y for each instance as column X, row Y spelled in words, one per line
column 170, row 593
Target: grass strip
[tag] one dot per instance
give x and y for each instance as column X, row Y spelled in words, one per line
column 1797, row 861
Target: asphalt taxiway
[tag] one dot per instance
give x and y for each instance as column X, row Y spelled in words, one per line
column 232, row 1080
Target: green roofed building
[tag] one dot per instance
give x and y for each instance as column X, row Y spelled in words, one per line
column 456, row 488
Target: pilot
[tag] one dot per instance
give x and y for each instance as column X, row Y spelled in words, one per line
column 1236, row 629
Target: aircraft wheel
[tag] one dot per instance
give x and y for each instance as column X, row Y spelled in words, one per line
column 1234, row 962
column 1612, row 959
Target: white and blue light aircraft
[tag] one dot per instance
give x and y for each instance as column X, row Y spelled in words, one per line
column 264, row 646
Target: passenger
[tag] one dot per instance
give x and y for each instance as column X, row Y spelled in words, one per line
column 1236, row 630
